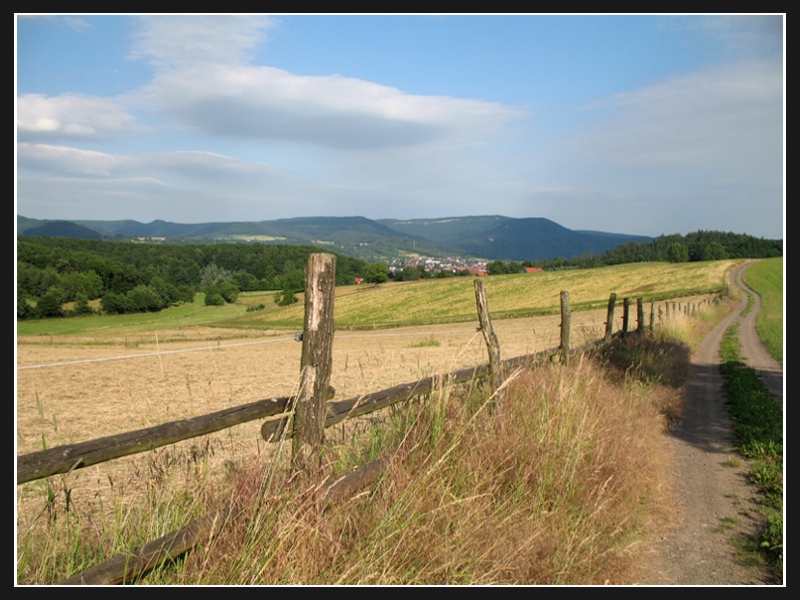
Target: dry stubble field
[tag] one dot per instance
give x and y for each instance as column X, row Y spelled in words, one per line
column 107, row 389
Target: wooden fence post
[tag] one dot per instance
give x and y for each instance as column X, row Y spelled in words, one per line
column 315, row 367
column 652, row 317
column 626, row 309
column 612, row 301
column 640, row 314
column 566, row 319
column 492, row 345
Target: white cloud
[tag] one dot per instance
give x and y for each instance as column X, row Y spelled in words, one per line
column 171, row 41
column 699, row 151
column 70, row 117
column 329, row 111
column 70, row 162
column 205, row 185
column 204, row 80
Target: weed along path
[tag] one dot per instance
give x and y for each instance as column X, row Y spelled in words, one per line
column 717, row 503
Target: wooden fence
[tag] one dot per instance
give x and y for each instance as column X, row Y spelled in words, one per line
column 303, row 417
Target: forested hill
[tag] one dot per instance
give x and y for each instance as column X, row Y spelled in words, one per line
column 505, row 238
column 487, row 237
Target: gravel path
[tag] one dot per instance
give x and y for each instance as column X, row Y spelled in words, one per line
column 718, row 501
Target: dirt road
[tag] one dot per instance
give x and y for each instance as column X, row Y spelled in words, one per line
column 718, row 502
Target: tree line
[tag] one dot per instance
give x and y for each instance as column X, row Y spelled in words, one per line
column 133, row 277
column 696, row 246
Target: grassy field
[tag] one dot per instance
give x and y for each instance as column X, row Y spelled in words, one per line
column 468, row 500
column 765, row 277
column 450, row 300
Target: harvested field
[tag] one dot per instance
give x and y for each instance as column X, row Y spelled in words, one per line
column 71, row 390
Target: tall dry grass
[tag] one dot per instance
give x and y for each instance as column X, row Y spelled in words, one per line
column 552, row 481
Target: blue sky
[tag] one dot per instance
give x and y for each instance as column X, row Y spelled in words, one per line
column 633, row 124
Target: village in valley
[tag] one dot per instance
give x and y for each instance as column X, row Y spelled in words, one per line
column 445, row 266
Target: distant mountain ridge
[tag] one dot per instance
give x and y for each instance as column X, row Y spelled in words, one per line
column 490, row 237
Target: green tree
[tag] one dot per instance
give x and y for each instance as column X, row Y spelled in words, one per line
column 496, row 267
column 229, row 290
column 213, row 297
column 714, row 251
column 82, row 304
column 24, row 309
column 678, row 252
column 143, row 298
column 285, row 297
column 377, row 273
column 114, row 304
column 409, row 273
column 185, row 294
column 49, row 305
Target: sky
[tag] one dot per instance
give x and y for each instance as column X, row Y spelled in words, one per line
column 636, row 124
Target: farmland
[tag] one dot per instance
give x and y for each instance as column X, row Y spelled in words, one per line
column 81, row 378
column 412, row 303
column 149, row 368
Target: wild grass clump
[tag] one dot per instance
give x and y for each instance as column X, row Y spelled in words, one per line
column 649, row 358
column 550, row 481
column 69, row 535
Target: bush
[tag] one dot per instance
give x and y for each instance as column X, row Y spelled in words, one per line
column 214, row 298
column 49, row 305
column 285, row 297
column 144, row 298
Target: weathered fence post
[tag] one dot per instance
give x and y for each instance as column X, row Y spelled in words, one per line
column 640, row 314
column 612, row 301
column 492, row 345
column 652, row 317
column 315, row 366
column 566, row 319
column 626, row 308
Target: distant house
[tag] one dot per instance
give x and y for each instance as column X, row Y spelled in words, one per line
column 533, row 269
column 478, row 271
column 359, row 280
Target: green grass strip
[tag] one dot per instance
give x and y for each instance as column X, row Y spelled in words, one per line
column 758, row 426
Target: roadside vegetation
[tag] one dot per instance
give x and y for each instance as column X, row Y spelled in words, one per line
column 758, row 419
column 758, row 426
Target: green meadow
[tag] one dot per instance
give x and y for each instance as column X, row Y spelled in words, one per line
column 765, row 277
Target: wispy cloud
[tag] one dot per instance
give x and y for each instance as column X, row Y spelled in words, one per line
column 725, row 122
column 329, row 111
column 179, row 41
column 70, row 117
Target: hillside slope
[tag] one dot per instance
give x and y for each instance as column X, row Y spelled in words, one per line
column 487, row 237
